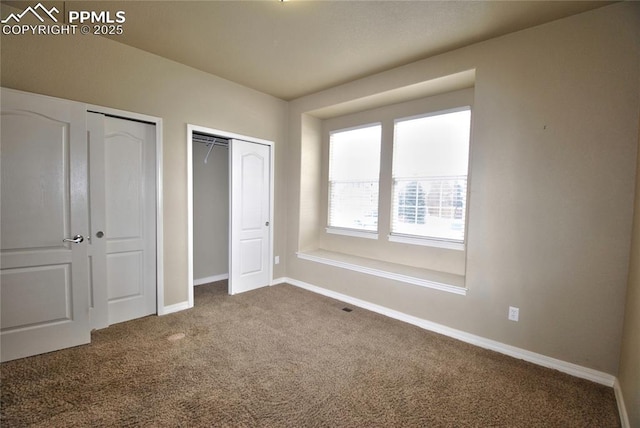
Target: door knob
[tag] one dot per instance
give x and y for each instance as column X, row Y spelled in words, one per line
column 75, row 240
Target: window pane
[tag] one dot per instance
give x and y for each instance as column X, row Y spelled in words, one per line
column 354, row 170
column 430, row 163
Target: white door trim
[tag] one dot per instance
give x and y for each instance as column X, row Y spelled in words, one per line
column 157, row 121
column 225, row 134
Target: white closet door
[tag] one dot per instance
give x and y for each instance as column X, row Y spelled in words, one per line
column 250, row 216
column 44, row 281
column 99, row 304
column 123, row 219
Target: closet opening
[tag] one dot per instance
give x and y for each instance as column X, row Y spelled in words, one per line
column 210, row 208
column 229, row 210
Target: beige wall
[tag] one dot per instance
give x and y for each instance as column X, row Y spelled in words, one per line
column 210, row 211
column 104, row 72
column 307, row 210
column 553, row 163
column 629, row 375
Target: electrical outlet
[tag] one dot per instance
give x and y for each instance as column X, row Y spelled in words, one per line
column 514, row 313
column 277, row 260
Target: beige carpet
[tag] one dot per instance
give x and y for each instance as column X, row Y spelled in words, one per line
column 285, row 357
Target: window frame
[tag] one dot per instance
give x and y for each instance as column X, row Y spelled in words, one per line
column 347, row 231
column 420, row 253
column 430, row 241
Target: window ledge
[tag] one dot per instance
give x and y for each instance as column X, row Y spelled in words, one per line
column 426, row 242
column 352, row 232
column 442, row 281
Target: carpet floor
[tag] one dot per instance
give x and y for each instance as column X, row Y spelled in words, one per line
column 285, row 357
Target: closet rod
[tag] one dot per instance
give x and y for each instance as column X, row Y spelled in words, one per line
column 209, row 139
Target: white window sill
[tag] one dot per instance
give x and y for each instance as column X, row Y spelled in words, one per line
column 426, row 242
column 442, row 281
column 352, row 232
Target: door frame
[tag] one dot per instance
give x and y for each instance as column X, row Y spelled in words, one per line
column 229, row 135
column 157, row 121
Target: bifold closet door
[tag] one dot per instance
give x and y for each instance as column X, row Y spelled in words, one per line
column 250, row 215
column 123, row 219
column 44, row 276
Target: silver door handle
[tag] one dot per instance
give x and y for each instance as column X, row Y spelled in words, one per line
column 75, row 240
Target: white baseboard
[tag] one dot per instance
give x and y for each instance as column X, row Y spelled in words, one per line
column 174, row 308
column 539, row 359
column 210, row 279
column 622, row 408
column 280, row 280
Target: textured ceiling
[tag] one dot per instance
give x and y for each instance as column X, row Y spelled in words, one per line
column 290, row 49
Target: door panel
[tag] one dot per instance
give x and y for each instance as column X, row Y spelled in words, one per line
column 125, row 192
column 44, row 288
column 251, row 250
column 35, row 206
column 51, row 283
column 124, row 182
column 126, row 275
column 250, row 216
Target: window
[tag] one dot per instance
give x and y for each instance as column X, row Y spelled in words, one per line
column 354, row 173
column 430, row 165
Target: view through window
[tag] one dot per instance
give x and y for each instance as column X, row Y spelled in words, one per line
column 354, row 173
column 430, row 166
